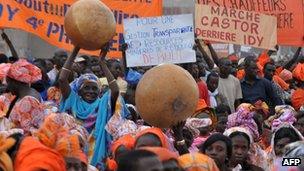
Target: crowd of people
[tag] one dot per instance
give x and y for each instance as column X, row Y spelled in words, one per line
column 79, row 113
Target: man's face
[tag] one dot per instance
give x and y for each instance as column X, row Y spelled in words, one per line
column 212, row 83
column 269, row 71
column 225, row 67
column 252, row 70
column 60, row 58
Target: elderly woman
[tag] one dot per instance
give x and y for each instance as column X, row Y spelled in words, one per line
column 82, row 100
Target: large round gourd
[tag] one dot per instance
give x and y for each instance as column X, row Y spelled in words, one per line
column 89, row 24
column 166, row 95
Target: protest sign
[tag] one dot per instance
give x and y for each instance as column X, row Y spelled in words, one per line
column 290, row 16
column 45, row 18
column 229, row 25
column 156, row 40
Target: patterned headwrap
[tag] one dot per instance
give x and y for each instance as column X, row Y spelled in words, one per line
column 244, row 118
column 21, row 71
column 298, row 72
column 77, row 84
column 162, row 153
column 193, row 124
column 284, row 114
column 28, row 114
column 32, row 155
column 69, row 146
column 155, row 131
column 5, row 102
column 57, row 125
column 127, row 141
column 229, row 131
column 197, row 162
column 286, row 75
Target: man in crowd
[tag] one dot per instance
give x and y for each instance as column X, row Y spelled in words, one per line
column 255, row 88
column 60, row 56
column 229, row 86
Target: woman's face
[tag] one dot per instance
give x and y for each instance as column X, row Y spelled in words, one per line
column 240, row 149
column 279, row 146
column 221, row 124
column 218, row 151
column 89, row 92
column 148, row 140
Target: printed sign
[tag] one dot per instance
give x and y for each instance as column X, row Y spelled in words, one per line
column 45, row 18
column 156, row 40
column 229, row 25
column 289, row 13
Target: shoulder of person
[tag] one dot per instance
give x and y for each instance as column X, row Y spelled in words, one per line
column 231, row 77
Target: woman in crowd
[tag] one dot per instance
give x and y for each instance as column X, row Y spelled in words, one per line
column 219, row 148
column 152, row 137
column 241, row 139
column 82, row 100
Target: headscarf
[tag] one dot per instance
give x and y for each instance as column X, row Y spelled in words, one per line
column 133, row 77
column 28, row 114
column 69, row 146
column 298, row 72
column 32, row 155
column 201, row 105
column 5, row 102
column 6, row 163
column 56, row 126
column 193, row 124
column 162, row 153
column 279, row 81
column 21, row 71
column 229, row 131
column 284, row 114
column 127, row 141
column 244, row 118
column 262, row 108
column 155, row 131
column 197, row 162
column 77, row 84
column 54, row 95
column 297, row 98
column 286, row 75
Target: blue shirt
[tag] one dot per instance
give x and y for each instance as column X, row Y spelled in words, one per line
column 262, row 90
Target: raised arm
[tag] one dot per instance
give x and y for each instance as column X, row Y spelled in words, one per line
column 270, row 52
column 206, row 57
column 213, row 54
column 111, row 80
column 124, row 47
column 66, row 70
column 289, row 64
column 10, row 44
